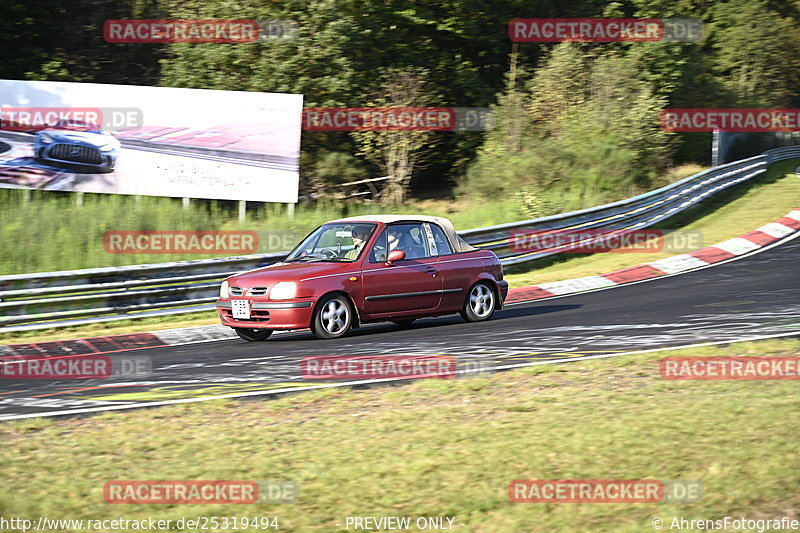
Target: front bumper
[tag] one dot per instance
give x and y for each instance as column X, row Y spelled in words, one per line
column 88, row 156
column 268, row 314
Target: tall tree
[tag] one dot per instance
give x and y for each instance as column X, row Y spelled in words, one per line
column 755, row 53
column 594, row 133
column 399, row 154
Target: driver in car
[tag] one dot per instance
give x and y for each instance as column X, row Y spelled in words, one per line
column 358, row 244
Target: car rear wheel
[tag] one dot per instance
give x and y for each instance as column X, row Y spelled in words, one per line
column 480, row 304
column 251, row 334
column 333, row 317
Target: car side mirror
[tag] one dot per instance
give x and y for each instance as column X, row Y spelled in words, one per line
column 394, row 256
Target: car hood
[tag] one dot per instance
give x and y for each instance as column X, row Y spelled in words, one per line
column 272, row 274
column 96, row 139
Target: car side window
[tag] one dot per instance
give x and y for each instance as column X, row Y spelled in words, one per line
column 440, row 244
column 410, row 238
column 379, row 251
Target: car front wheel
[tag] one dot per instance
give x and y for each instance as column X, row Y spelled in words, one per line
column 333, row 317
column 480, row 304
column 251, row 334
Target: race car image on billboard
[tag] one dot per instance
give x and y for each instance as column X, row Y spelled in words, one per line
column 77, row 143
column 143, row 140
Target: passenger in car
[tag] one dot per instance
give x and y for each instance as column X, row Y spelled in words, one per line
column 394, row 239
column 411, row 244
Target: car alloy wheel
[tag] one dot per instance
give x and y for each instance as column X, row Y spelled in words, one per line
column 333, row 317
column 252, row 334
column 480, row 304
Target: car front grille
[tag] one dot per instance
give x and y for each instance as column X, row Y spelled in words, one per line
column 76, row 153
column 255, row 291
column 256, row 315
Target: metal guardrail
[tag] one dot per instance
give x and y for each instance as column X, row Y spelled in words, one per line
column 58, row 299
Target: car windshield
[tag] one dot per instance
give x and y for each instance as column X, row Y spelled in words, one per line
column 77, row 125
column 339, row 242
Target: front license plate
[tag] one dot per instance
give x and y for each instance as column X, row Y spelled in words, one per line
column 240, row 308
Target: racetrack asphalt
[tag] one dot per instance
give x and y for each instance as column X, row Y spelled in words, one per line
column 755, row 295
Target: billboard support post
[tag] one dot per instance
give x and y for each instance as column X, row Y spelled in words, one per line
column 290, row 210
column 79, row 199
column 715, row 149
column 186, row 202
column 242, row 210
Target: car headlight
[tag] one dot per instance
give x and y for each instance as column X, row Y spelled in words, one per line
column 223, row 290
column 285, row 290
column 45, row 138
column 107, row 147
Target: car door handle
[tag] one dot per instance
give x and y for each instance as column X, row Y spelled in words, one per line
column 432, row 271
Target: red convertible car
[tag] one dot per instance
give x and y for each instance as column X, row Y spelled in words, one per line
column 383, row 268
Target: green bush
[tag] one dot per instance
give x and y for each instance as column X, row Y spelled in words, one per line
column 582, row 131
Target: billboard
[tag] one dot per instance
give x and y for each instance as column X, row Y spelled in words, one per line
column 158, row 141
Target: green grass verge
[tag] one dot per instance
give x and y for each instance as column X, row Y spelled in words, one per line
column 439, row 448
column 727, row 215
column 51, row 233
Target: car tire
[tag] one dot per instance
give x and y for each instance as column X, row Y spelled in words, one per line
column 252, row 335
column 333, row 317
column 404, row 323
column 480, row 304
